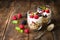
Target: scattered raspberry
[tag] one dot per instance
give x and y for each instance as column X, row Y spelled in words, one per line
column 21, row 26
column 26, row 30
column 19, row 16
column 14, row 18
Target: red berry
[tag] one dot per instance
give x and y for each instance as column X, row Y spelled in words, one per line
column 36, row 16
column 21, row 26
column 31, row 16
column 26, row 30
column 19, row 16
column 14, row 18
column 43, row 10
column 47, row 11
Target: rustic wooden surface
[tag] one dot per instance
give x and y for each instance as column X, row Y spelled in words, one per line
column 7, row 29
column 4, row 14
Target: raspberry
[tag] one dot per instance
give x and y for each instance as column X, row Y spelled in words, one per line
column 21, row 26
column 19, row 16
column 47, row 11
column 14, row 18
column 26, row 30
column 31, row 16
column 36, row 16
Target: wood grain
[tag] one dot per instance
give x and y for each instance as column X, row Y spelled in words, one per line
column 3, row 19
column 14, row 35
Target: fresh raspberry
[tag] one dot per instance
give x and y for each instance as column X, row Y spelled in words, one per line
column 19, row 16
column 47, row 11
column 36, row 16
column 26, row 31
column 31, row 16
column 14, row 18
column 43, row 10
column 21, row 26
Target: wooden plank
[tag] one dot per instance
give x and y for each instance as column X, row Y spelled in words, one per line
column 4, row 14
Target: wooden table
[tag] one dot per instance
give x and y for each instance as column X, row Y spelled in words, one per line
column 7, row 29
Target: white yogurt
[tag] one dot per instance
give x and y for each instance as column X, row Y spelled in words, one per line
column 30, row 20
